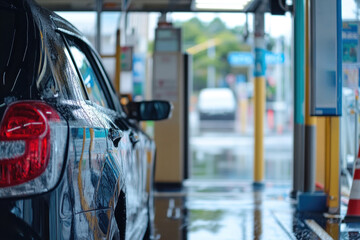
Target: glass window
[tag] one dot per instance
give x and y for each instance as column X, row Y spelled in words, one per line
column 91, row 81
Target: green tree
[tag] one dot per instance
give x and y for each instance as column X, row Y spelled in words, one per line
column 216, row 26
column 195, row 32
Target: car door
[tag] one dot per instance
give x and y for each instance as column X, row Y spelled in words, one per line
column 136, row 164
column 122, row 169
column 98, row 175
column 135, row 158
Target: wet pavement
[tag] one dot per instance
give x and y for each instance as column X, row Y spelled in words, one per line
column 233, row 210
column 227, row 155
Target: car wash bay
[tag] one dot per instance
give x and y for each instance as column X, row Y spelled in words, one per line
column 253, row 184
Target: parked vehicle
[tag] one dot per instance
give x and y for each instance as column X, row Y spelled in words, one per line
column 216, row 104
column 73, row 163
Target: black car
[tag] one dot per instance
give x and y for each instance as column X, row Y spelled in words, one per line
column 73, row 162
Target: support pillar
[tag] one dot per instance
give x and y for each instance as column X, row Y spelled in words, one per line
column 308, row 199
column 259, row 99
column 98, row 26
column 299, row 65
column 117, row 63
column 332, row 176
column 322, row 56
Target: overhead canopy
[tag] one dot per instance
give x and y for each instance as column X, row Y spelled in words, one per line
column 154, row 5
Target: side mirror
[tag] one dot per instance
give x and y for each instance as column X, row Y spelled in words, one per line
column 149, row 110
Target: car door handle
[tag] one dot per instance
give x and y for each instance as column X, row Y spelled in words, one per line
column 134, row 138
column 115, row 136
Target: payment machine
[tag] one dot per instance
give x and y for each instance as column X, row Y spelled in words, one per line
column 170, row 82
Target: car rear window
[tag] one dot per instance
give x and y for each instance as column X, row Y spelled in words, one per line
column 19, row 51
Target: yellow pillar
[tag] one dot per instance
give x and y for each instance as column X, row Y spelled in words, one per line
column 259, row 95
column 259, row 110
column 320, row 151
column 327, row 154
column 332, row 163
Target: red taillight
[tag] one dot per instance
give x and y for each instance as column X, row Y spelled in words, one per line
column 25, row 141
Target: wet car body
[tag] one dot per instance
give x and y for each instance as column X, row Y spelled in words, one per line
column 96, row 180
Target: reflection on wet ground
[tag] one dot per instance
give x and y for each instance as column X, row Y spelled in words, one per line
column 233, row 210
column 229, row 155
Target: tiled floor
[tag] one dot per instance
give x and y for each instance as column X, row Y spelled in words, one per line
column 232, row 210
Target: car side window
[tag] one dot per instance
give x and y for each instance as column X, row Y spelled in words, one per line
column 109, row 85
column 89, row 77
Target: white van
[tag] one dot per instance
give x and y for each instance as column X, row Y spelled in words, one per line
column 216, row 104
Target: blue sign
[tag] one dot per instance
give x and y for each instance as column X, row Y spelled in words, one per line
column 241, row 58
column 260, row 64
column 274, row 58
column 350, row 36
column 138, row 67
column 247, row 58
column 138, row 74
